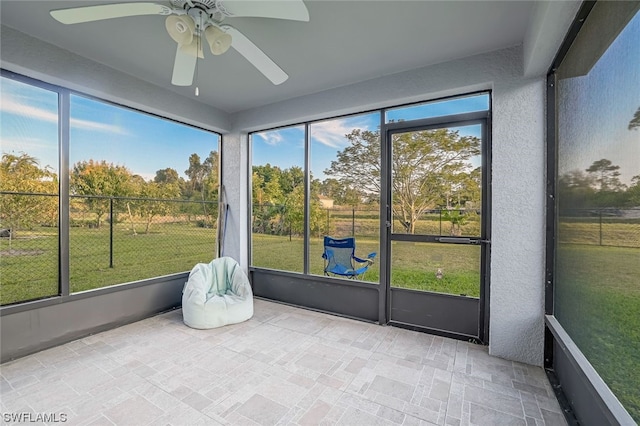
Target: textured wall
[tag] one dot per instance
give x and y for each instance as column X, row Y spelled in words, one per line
column 517, row 259
column 234, row 175
column 518, row 225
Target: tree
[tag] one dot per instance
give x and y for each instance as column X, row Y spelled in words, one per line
column 424, row 166
column 102, row 179
column 203, row 176
column 607, row 176
column 633, row 193
column 575, row 190
column 167, row 175
column 340, row 194
column 203, row 179
column 22, row 174
column 150, row 206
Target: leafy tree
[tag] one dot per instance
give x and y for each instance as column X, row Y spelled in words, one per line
column 341, row 195
column 291, row 178
column 151, row 206
column 99, row 178
column 607, row 176
column 203, row 181
column 195, row 172
column 22, row 173
column 575, row 190
column 203, row 176
column 294, row 212
column 268, row 200
column 278, row 200
column 457, row 218
column 633, row 193
column 424, row 166
column 167, row 175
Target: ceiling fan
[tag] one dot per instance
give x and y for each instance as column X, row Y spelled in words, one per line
column 192, row 22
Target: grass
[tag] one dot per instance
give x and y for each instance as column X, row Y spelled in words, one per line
column 30, row 269
column 609, row 233
column 598, row 303
column 414, row 265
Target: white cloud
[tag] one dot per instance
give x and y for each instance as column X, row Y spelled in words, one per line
column 332, row 133
column 94, row 125
column 27, row 144
column 9, row 105
column 272, row 138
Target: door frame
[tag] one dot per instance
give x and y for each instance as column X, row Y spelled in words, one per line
column 387, row 130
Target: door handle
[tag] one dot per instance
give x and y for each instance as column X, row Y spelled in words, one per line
column 455, row 240
column 461, row 240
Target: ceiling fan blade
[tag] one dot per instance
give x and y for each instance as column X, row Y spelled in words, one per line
column 183, row 68
column 294, row 10
column 78, row 15
column 257, row 57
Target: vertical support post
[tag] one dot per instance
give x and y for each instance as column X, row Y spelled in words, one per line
column 306, row 235
column 327, row 232
column 64, row 112
column 353, row 221
column 111, row 232
column 440, row 212
column 384, row 290
column 600, row 216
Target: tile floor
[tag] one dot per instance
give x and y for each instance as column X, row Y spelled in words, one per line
column 284, row 366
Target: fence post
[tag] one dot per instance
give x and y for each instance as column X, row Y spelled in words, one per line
column 353, row 221
column 600, row 227
column 111, row 232
column 327, row 232
column 440, row 211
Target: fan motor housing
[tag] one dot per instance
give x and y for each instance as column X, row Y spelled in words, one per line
column 203, row 4
column 213, row 8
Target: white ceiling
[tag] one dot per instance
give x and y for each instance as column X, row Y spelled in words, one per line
column 345, row 42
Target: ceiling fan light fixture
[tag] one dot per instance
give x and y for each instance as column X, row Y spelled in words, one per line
column 181, row 29
column 219, row 41
column 193, row 47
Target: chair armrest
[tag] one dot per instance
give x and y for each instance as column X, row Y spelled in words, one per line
column 368, row 260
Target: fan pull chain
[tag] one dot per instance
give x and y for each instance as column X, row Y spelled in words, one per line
column 198, row 42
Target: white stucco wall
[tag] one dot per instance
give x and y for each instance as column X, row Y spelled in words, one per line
column 234, row 175
column 518, row 173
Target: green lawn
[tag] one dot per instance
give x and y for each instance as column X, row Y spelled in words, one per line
column 611, row 232
column 598, row 303
column 414, row 265
column 30, row 271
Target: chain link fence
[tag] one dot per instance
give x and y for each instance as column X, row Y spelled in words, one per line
column 28, row 246
column 112, row 240
column 268, row 219
column 603, row 227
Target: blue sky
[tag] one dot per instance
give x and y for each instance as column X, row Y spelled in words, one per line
column 99, row 131
column 145, row 143
column 285, row 147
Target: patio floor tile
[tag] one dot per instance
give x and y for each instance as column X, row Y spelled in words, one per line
column 285, row 366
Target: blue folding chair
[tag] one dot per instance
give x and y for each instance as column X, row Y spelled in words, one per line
column 340, row 259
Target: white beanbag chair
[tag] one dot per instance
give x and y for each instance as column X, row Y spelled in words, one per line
column 217, row 294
